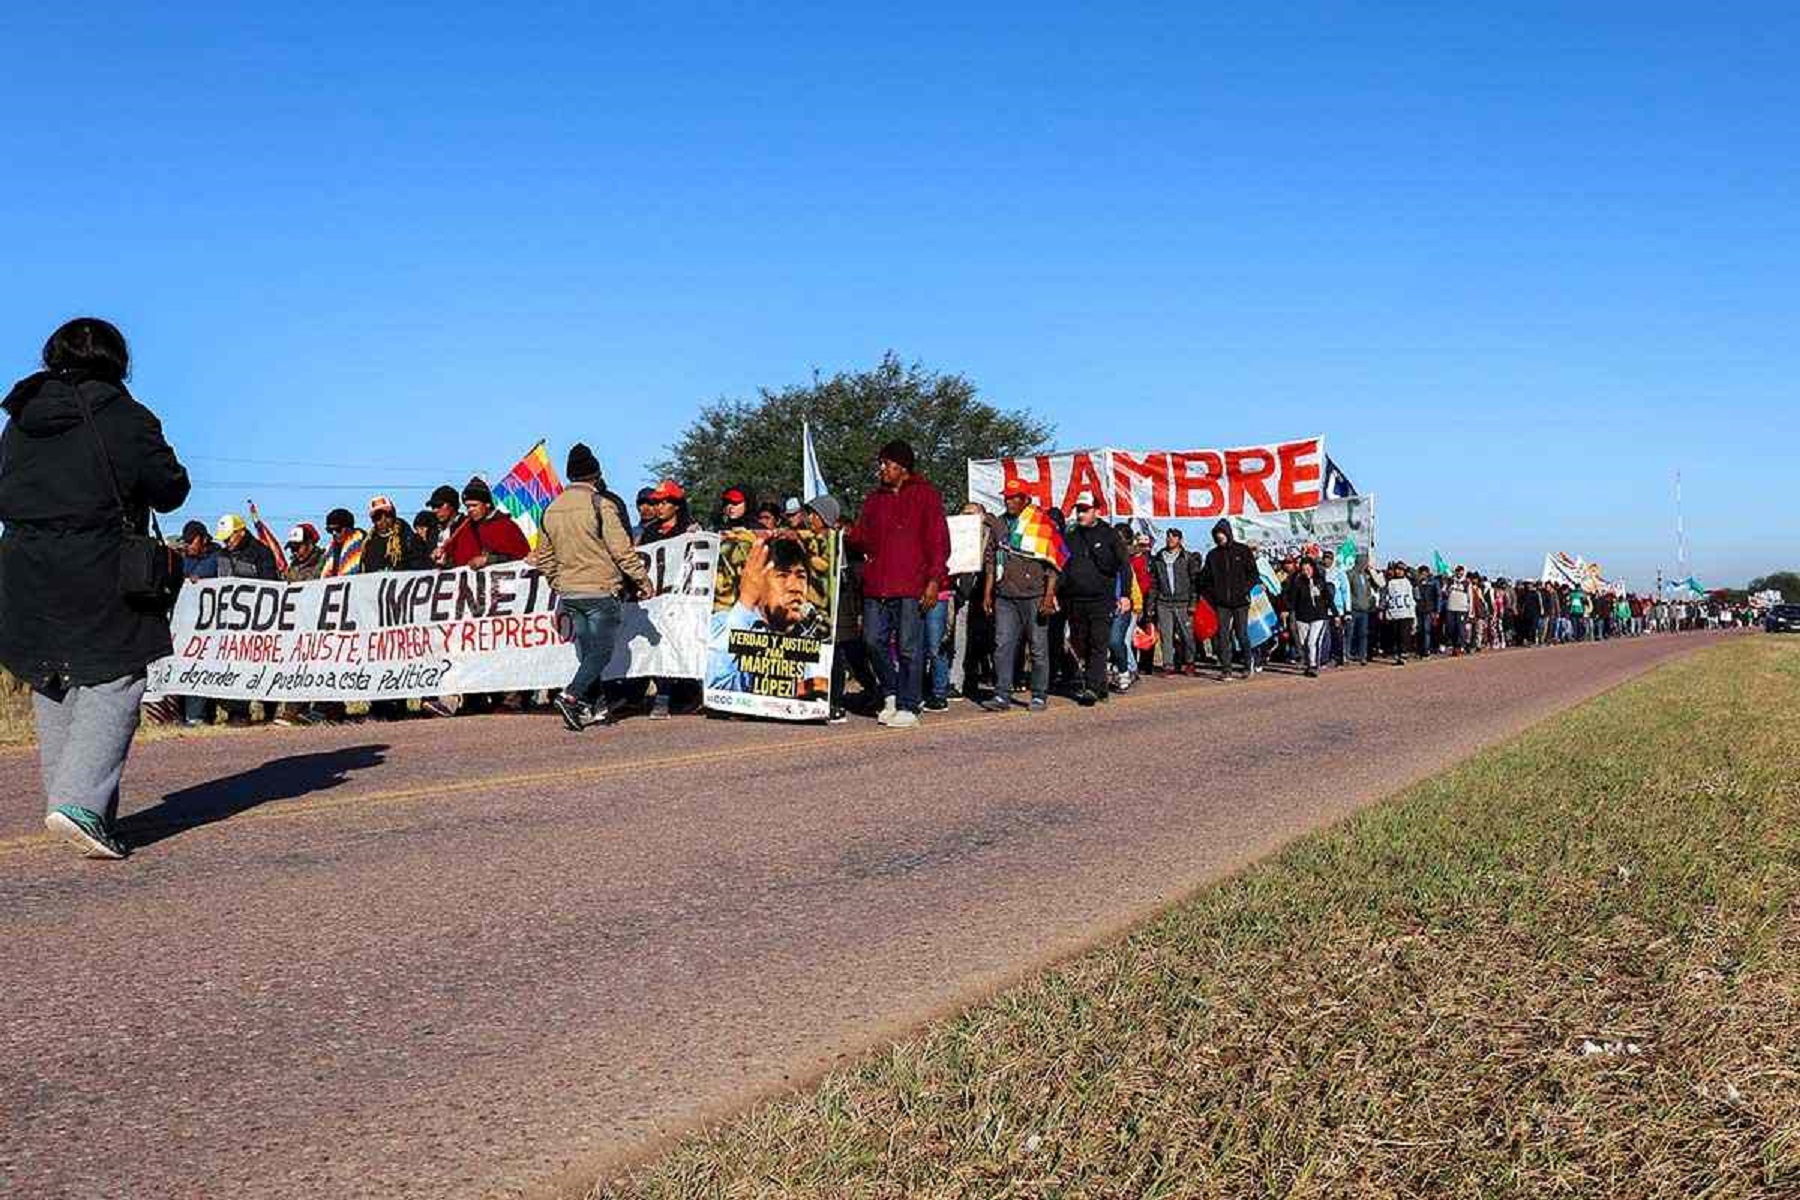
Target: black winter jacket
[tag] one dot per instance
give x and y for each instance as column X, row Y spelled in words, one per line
column 62, row 620
column 1229, row 571
column 251, row 560
column 415, row 555
column 1301, row 600
column 1171, row 583
column 1095, row 557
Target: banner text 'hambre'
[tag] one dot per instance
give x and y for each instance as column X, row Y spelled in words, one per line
column 1162, row 485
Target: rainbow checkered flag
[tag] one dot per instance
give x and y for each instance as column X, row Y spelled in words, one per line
column 1035, row 535
column 528, row 490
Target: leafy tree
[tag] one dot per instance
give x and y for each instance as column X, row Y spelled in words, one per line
column 1785, row 582
column 756, row 443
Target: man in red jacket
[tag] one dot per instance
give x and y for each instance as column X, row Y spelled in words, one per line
column 905, row 541
column 484, row 535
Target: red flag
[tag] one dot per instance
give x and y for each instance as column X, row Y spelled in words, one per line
column 267, row 537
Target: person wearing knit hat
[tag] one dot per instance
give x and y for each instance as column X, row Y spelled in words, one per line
column 584, row 553
column 900, row 453
column 905, row 540
column 344, row 545
column 443, row 507
column 486, row 535
column 582, row 466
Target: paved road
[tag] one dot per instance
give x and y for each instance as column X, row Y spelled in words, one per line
column 480, row 956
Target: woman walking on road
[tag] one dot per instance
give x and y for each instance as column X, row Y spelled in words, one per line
column 84, row 594
column 1308, row 597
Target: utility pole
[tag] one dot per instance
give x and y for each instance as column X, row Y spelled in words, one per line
column 1680, row 533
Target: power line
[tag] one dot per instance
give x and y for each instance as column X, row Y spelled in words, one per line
column 321, row 466
column 268, row 485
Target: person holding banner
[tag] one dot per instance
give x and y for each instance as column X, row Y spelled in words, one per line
column 392, row 545
column 668, row 518
column 584, row 552
column 485, row 535
column 905, row 541
column 1225, row 578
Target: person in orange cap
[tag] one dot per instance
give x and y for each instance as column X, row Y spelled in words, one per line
column 668, row 514
column 669, row 519
column 393, row 546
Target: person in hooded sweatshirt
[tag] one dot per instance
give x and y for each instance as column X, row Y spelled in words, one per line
column 81, row 463
column 1225, row 579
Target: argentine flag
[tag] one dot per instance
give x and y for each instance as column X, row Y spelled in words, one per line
column 1263, row 623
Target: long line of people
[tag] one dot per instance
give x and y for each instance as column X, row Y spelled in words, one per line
column 1021, row 629
column 1076, row 604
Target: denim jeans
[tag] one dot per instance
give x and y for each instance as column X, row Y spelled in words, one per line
column 937, row 657
column 1234, row 628
column 594, row 620
column 1016, row 619
column 1359, row 636
column 896, row 619
column 1120, row 645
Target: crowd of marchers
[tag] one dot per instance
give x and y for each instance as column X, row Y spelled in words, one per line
column 912, row 637
column 1079, row 609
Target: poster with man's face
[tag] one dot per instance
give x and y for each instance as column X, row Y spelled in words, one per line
column 770, row 642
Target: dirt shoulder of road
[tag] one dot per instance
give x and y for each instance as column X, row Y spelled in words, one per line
column 1569, row 966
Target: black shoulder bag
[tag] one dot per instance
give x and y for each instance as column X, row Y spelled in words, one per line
column 149, row 571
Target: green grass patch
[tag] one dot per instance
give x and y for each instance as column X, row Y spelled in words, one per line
column 1569, row 967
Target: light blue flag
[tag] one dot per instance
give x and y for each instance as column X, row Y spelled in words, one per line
column 812, row 481
column 1263, row 623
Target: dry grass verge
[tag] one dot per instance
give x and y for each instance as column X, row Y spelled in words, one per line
column 1570, row 967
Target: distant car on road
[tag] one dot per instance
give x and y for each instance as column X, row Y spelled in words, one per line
column 1783, row 618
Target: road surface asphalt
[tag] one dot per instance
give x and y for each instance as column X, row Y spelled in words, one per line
column 486, row 956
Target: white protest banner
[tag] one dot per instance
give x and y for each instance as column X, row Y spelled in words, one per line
column 421, row 633
column 666, row 635
column 1577, row 572
column 1162, row 485
column 965, row 544
column 1328, row 526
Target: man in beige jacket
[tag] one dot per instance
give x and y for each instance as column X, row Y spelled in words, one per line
column 584, row 550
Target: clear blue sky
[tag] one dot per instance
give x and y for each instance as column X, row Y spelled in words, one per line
column 1517, row 262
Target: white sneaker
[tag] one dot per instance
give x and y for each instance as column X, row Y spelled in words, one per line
column 889, row 708
column 902, row 719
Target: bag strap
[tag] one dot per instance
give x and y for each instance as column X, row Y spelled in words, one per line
column 112, row 476
column 602, row 504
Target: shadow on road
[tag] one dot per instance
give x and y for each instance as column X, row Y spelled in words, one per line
column 220, row 799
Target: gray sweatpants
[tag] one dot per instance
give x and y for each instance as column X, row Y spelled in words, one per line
column 1175, row 630
column 83, row 736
